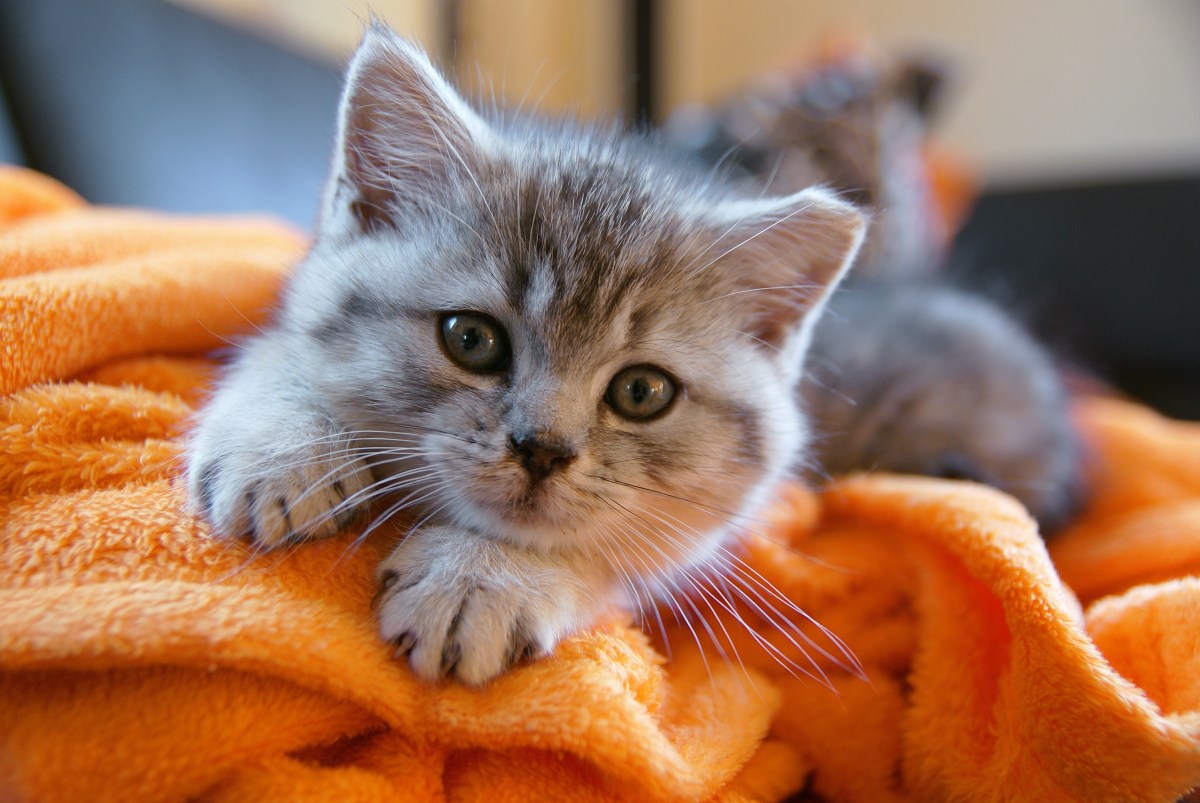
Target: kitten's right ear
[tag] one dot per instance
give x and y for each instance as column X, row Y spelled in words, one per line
column 403, row 134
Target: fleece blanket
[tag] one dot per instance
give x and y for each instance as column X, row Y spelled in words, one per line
column 142, row 659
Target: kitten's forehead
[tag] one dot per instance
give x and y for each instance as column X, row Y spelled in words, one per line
column 587, row 248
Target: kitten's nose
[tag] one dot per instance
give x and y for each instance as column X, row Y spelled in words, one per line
column 540, row 455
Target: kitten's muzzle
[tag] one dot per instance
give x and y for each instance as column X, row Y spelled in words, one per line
column 540, row 455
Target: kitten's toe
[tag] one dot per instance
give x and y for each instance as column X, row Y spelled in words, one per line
column 292, row 498
column 465, row 631
column 470, row 608
column 308, row 503
column 405, row 643
column 482, row 643
column 211, row 496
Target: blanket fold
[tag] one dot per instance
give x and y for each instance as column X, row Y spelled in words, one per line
column 143, row 659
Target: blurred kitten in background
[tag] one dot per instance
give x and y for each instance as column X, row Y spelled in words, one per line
column 906, row 373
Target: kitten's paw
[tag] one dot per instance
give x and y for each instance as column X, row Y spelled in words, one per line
column 460, row 605
column 277, row 491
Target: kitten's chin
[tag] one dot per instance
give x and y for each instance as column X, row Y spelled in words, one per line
column 529, row 527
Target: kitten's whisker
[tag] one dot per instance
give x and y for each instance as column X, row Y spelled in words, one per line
column 355, row 453
column 430, row 515
column 854, row 668
column 755, row 338
column 622, row 575
column 391, row 512
column 727, row 604
column 385, row 487
column 791, row 666
column 528, row 88
column 447, row 144
column 227, row 340
column 716, row 512
column 758, row 233
column 341, row 468
column 753, row 575
column 772, row 176
column 421, row 494
column 685, row 621
column 688, row 268
column 255, row 553
column 763, row 289
column 423, row 428
column 537, row 102
column 654, row 608
column 669, row 561
column 446, row 210
column 848, row 662
column 676, row 609
column 362, row 434
column 739, row 521
column 714, row 171
column 373, row 490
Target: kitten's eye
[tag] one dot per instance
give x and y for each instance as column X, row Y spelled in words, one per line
column 640, row 392
column 475, row 342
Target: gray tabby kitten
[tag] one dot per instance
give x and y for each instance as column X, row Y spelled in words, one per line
column 908, row 375
column 920, row 378
column 576, row 360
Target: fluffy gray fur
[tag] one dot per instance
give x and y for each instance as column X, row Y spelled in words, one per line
column 594, row 253
column 924, row 379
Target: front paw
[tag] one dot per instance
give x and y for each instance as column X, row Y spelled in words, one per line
column 294, row 484
column 461, row 605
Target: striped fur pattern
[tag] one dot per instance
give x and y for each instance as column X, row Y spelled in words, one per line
column 535, row 501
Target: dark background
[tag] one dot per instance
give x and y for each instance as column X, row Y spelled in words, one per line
column 137, row 102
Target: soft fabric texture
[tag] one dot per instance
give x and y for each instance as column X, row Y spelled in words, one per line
column 143, row 659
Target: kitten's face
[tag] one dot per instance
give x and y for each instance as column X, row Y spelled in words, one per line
column 557, row 338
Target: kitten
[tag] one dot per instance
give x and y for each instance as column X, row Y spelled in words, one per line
column 575, row 358
column 846, row 124
column 908, row 375
column 925, row 379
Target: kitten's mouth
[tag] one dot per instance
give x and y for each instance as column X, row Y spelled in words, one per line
column 532, row 501
column 510, row 496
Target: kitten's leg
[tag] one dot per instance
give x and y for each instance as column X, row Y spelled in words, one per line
column 265, row 458
column 462, row 604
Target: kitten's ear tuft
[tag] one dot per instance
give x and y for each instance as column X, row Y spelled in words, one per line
column 403, row 134
column 784, row 256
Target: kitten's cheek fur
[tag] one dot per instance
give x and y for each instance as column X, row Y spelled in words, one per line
column 459, row 604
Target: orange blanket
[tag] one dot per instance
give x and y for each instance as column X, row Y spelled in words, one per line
column 142, row 660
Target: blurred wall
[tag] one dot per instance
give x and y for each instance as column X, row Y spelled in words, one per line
column 544, row 54
column 1050, row 91
column 555, row 56
column 138, row 102
column 327, row 29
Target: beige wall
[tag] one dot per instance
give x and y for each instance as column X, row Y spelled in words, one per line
column 324, row 29
column 558, row 56
column 1050, row 89
column 554, row 55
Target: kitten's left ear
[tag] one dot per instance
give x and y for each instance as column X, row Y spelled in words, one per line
column 404, row 136
column 784, row 256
